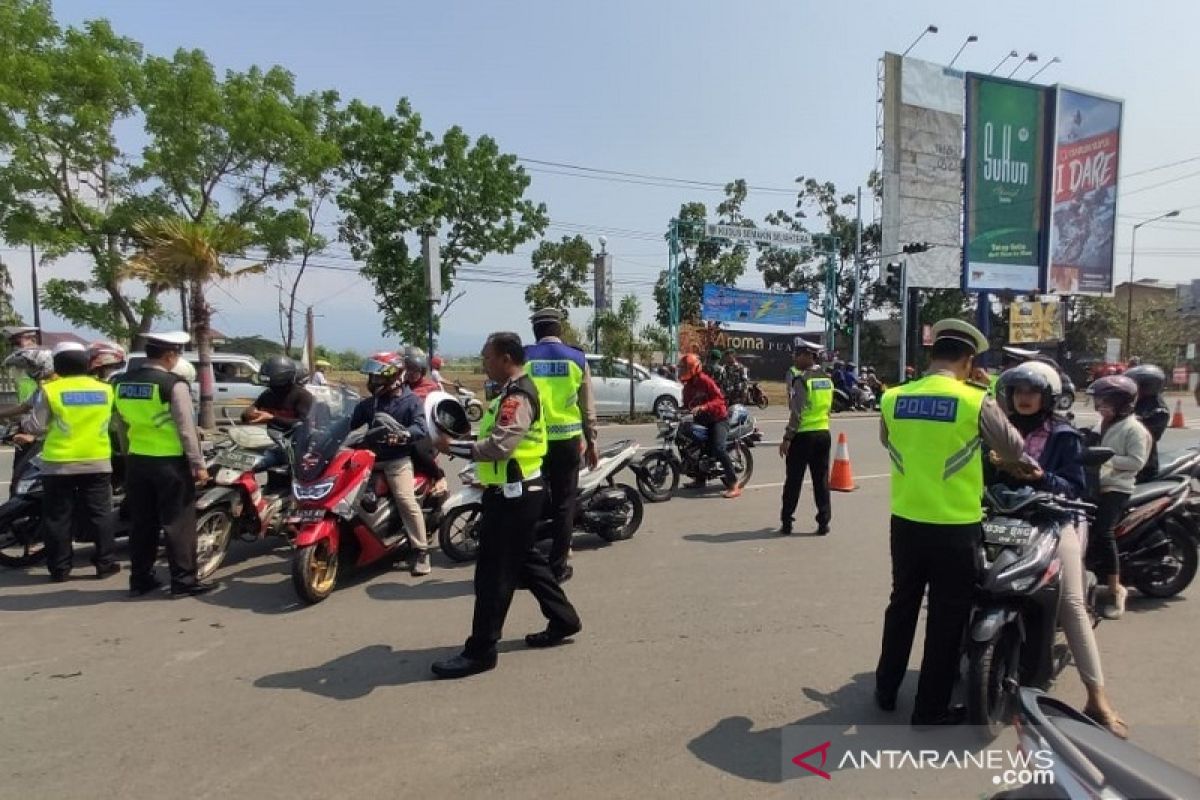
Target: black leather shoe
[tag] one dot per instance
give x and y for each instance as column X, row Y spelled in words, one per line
column 549, row 638
column 138, row 588
column 563, row 575
column 823, row 530
column 192, row 589
column 954, row 715
column 885, row 701
column 107, row 570
column 785, row 529
column 59, row 577
column 461, row 667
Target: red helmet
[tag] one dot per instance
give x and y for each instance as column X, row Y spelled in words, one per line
column 689, row 366
column 105, row 354
column 383, row 370
column 436, row 362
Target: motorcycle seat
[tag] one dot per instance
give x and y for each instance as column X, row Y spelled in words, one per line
column 1127, row 769
column 1155, row 490
column 614, row 449
column 1169, row 462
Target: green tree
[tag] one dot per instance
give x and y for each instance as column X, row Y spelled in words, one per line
column 705, row 260
column 8, row 314
column 176, row 253
column 399, row 181
column 562, row 273
column 65, row 183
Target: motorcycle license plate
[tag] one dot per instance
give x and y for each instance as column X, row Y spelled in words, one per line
column 304, row 515
column 1009, row 532
column 241, row 460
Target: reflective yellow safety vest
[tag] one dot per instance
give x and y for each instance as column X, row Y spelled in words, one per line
column 526, row 461
column 144, row 402
column 557, row 370
column 26, row 388
column 933, row 441
column 80, row 412
column 815, row 416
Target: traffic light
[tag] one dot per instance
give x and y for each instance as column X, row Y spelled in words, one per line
column 894, row 276
column 916, row 247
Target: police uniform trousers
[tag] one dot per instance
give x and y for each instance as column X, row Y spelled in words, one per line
column 943, row 558
column 161, row 497
column 560, row 469
column 77, row 506
column 507, row 560
column 807, row 451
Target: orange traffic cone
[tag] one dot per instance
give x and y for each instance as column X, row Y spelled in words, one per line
column 840, row 477
column 1177, row 419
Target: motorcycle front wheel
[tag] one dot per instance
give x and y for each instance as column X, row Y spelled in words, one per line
column 458, row 535
column 633, row 517
column 214, row 529
column 657, row 477
column 21, row 542
column 988, row 677
column 743, row 464
column 314, row 571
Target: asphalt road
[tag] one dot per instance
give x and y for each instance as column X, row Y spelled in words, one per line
column 704, row 637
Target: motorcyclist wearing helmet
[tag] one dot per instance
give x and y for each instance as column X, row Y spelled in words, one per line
column 23, row 337
column 1053, row 462
column 1120, row 431
column 424, row 458
column 1152, row 410
column 285, row 401
column 435, row 371
column 105, row 358
column 390, row 395
column 703, row 398
column 37, row 367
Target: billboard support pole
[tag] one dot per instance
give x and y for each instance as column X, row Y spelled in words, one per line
column 673, row 287
column 903, row 319
column 857, row 321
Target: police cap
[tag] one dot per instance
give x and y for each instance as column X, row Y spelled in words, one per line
column 962, row 331
column 169, row 340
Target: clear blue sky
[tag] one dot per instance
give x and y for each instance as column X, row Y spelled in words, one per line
column 710, row 91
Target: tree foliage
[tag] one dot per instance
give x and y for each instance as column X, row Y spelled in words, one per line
column 562, row 273
column 399, row 180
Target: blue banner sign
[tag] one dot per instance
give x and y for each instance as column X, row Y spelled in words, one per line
column 727, row 304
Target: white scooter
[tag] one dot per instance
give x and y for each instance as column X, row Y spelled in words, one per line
column 611, row 510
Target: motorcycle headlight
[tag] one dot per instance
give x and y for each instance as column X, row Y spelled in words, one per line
column 312, row 491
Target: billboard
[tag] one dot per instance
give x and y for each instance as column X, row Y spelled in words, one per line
column 727, row 304
column 1083, row 214
column 766, row 355
column 1005, row 210
column 922, row 168
column 1034, row 321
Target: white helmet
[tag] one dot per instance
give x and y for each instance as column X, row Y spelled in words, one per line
column 184, row 369
column 36, row 362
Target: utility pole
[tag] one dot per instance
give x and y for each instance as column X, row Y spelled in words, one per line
column 37, row 304
column 309, row 337
column 904, row 321
column 431, row 252
column 601, row 289
column 857, row 321
column 673, row 287
column 183, row 308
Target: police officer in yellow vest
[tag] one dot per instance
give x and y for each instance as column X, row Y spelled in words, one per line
column 564, row 385
column 806, row 443
column 933, row 429
column 163, row 466
column 508, row 455
column 74, row 412
column 22, row 337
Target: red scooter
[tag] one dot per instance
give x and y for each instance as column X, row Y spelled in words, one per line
column 344, row 514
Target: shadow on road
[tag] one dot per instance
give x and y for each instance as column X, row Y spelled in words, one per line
column 357, row 674
column 1143, row 604
column 62, row 598
column 734, row 536
column 429, row 589
column 734, row 747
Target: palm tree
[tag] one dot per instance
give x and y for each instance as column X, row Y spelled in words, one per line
column 176, row 253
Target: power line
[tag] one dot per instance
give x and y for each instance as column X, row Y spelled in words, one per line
column 1161, row 167
column 624, row 174
column 1176, row 179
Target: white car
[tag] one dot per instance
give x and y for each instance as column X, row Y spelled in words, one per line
column 610, row 386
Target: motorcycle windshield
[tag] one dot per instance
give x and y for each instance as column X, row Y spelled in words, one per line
column 315, row 444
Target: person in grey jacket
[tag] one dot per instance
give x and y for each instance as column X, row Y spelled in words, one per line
column 1120, row 430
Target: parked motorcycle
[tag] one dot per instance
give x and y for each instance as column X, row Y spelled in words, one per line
column 472, row 404
column 613, row 511
column 1088, row 761
column 344, row 515
column 244, row 499
column 755, row 396
column 1157, row 538
column 684, row 452
column 1015, row 620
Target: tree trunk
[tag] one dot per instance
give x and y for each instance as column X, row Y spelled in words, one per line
column 201, row 317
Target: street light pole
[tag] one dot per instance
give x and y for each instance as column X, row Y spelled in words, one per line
column 1046, row 66
column 1003, row 61
column 971, row 38
column 928, row 29
column 1129, row 288
column 1029, row 59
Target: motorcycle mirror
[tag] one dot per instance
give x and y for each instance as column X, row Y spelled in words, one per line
column 1095, row 456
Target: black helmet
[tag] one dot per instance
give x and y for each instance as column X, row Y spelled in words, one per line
column 450, row 418
column 1150, row 379
column 1115, row 390
column 1036, row 375
column 415, row 359
column 278, row 372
